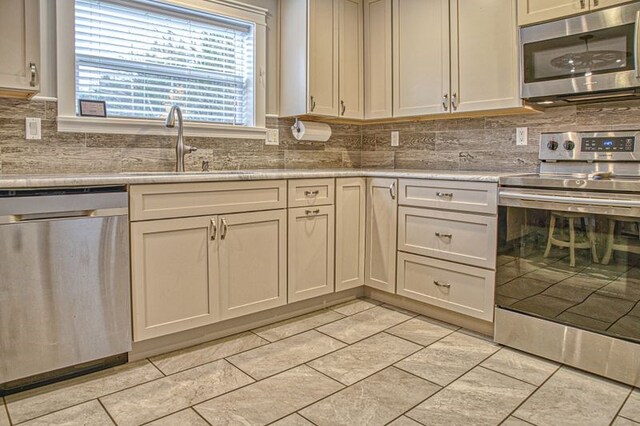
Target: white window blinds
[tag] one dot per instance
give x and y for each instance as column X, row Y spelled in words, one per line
column 141, row 57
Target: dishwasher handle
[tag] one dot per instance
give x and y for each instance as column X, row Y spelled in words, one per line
column 64, row 215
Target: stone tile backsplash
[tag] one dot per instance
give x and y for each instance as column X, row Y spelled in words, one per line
column 486, row 143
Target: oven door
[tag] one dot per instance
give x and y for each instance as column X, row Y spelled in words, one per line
column 568, row 278
column 596, row 52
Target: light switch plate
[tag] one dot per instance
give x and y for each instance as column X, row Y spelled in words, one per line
column 33, row 128
column 395, row 138
column 273, row 137
column 522, row 135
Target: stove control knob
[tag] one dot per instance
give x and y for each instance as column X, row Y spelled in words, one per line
column 569, row 145
column 552, row 145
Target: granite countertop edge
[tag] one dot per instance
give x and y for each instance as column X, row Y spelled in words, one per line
column 8, row 181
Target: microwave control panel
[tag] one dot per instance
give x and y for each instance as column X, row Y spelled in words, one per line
column 613, row 144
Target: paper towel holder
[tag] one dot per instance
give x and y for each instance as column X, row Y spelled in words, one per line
column 296, row 127
column 310, row 131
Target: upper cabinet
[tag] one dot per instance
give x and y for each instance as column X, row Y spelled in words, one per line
column 533, row 11
column 447, row 56
column 420, row 57
column 325, row 76
column 484, row 55
column 19, row 48
column 378, row 92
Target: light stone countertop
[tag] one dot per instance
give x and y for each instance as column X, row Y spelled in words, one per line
column 101, row 179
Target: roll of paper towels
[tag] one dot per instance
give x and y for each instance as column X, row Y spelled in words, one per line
column 311, row 131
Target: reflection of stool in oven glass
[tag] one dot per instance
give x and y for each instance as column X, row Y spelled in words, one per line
column 625, row 244
column 573, row 219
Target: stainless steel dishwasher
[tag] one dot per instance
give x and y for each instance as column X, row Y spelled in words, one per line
column 64, row 283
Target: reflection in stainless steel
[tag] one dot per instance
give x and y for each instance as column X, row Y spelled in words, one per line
column 64, row 293
column 603, row 355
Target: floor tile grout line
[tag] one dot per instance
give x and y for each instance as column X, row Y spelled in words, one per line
column 55, row 411
column 107, row 411
column 301, row 332
column 300, row 414
column 622, row 406
column 522, row 420
column 512, row 413
column 158, row 368
column 626, row 418
column 200, row 415
column 6, row 409
column 509, row 375
column 244, row 372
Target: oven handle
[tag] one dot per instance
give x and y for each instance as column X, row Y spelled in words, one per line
column 570, row 200
column 636, row 53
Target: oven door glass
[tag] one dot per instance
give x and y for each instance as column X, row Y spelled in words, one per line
column 578, row 269
column 603, row 51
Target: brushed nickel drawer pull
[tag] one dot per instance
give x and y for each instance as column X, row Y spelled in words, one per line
column 583, row 4
column 441, row 235
column 444, row 194
column 33, row 68
column 312, row 212
column 392, row 190
column 311, row 193
column 443, row 285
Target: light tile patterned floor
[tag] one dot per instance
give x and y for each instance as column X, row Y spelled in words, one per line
column 359, row 363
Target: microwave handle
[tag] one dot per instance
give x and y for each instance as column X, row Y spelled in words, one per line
column 636, row 47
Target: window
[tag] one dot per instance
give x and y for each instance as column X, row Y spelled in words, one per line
column 143, row 56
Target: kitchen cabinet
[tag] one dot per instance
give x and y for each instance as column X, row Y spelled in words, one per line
column 421, row 73
column 218, row 260
column 350, row 232
column 170, row 269
column 252, row 253
column 378, row 59
column 311, row 252
column 19, row 48
column 533, row 11
column 484, row 55
column 381, row 232
column 601, row 4
column 325, row 76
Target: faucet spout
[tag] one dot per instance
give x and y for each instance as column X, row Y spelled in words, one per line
column 181, row 148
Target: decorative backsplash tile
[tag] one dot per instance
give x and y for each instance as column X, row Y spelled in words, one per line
column 485, row 143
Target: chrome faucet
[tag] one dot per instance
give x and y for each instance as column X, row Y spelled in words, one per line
column 181, row 148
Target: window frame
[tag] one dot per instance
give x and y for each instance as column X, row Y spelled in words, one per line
column 66, row 79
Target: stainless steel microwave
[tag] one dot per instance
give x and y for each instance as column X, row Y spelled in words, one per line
column 584, row 58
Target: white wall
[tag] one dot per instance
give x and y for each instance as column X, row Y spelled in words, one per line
column 48, row 49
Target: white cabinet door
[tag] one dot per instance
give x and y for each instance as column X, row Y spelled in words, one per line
column 532, row 11
column 350, row 232
column 381, row 232
column 171, row 262
column 311, row 252
column 484, row 55
column 253, row 256
column 350, row 61
column 420, row 57
column 19, row 47
column 378, row 99
column 323, row 57
column 601, row 4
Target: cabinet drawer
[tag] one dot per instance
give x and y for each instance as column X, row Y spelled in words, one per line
column 205, row 198
column 457, row 237
column 311, row 192
column 458, row 288
column 477, row 197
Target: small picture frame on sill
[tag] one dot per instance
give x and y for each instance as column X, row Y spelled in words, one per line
column 89, row 108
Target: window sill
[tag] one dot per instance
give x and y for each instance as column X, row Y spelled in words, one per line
column 126, row 126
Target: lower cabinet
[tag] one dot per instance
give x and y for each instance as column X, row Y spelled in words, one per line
column 252, row 258
column 311, row 252
column 351, row 203
column 381, row 233
column 171, row 265
column 191, row 272
column 458, row 288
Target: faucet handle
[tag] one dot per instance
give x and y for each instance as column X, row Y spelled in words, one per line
column 190, row 149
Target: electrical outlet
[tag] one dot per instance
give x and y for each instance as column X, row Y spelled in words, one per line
column 33, row 128
column 522, row 135
column 273, row 137
column 395, row 138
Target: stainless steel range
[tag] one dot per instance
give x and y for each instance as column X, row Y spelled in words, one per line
column 568, row 275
